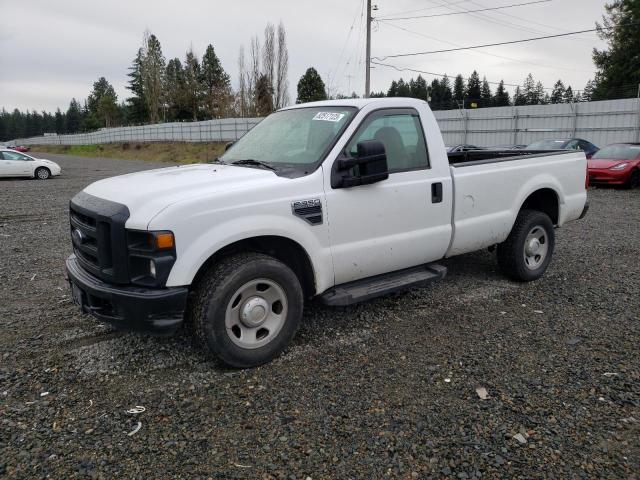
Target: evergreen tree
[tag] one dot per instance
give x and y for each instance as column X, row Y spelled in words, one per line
column 102, row 105
column 459, row 89
column 59, row 122
column 501, row 98
column 192, row 86
column 568, row 95
column 540, row 94
column 529, row 91
column 519, row 97
column 486, row 97
column 311, row 88
column 264, row 96
column 393, row 89
column 138, row 112
column 474, row 87
column 73, row 117
column 446, row 95
column 618, row 67
column 403, row 89
column 557, row 94
column 435, row 92
column 217, row 85
column 153, row 67
column 419, row 88
column 589, row 88
column 175, row 91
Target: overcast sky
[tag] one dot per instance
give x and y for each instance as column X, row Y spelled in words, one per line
column 52, row 51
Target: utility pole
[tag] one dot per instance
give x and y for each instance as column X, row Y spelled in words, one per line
column 367, row 85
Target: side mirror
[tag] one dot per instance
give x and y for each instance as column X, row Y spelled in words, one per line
column 371, row 163
column 228, row 146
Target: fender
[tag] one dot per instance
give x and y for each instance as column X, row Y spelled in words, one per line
column 220, row 235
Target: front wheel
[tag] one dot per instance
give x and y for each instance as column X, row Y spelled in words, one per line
column 526, row 253
column 246, row 309
column 42, row 173
column 634, row 179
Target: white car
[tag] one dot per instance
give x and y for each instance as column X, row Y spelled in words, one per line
column 16, row 164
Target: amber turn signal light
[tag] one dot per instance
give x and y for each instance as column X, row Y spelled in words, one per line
column 164, row 241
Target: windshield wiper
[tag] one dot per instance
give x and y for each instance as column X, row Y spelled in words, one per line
column 251, row 161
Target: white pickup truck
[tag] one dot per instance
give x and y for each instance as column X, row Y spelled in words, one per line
column 339, row 200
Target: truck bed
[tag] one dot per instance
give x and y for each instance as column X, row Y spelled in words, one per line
column 490, row 187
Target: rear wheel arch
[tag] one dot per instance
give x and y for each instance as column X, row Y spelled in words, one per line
column 545, row 200
column 288, row 251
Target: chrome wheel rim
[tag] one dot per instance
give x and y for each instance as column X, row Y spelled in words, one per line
column 536, row 247
column 43, row 174
column 256, row 313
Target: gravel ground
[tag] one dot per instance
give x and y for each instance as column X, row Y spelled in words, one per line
column 384, row 389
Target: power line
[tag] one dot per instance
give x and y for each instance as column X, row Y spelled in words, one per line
column 333, row 74
column 528, row 62
column 427, row 8
column 488, row 44
column 465, row 11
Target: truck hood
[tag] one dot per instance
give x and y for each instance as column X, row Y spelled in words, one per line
column 147, row 193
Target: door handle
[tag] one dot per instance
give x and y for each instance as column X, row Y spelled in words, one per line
column 436, row 192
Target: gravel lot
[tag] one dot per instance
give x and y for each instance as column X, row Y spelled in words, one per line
column 384, row 389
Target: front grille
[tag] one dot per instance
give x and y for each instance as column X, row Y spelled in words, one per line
column 98, row 236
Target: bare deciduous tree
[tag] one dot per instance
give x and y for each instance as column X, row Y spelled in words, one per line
column 243, row 94
column 281, row 83
column 269, row 53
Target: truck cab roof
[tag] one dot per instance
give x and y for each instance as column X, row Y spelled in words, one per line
column 360, row 103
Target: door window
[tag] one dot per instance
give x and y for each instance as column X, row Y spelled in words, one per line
column 572, row 145
column 15, row 156
column 400, row 131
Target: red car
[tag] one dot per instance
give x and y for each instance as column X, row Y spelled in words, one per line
column 20, row 148
column 617, row 164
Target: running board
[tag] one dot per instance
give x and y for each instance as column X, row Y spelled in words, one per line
column 368, row 288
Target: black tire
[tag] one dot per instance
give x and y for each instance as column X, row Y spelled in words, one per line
column 42, row 173
column 634, row 179
column 218, row 288
column 511, row 252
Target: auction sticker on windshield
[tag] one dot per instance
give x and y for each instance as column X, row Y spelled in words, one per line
column 329, row 116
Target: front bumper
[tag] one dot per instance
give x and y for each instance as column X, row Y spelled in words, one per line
column 608, row 177
column 159, row 310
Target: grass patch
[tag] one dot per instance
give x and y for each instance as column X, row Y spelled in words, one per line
column 155, row 152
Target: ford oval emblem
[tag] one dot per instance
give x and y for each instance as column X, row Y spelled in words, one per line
column 78, row 236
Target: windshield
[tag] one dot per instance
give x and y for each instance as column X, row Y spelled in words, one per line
column 546, row 145
column 297, row 137
column 619, row 152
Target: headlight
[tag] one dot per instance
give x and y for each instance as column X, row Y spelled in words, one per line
column 620, row 166
column 151, row 257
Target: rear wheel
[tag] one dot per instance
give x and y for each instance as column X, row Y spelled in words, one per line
column 42, row 173
column 526, row 253
column 246, row 309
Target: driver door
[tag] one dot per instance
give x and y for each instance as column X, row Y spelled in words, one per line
column 398, row 222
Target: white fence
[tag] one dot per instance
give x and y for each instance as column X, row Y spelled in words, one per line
column 599, row 122
column 602, row 123
column 224, row 130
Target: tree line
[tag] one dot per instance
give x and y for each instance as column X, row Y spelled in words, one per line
column 175, row 90
column 442, row 94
